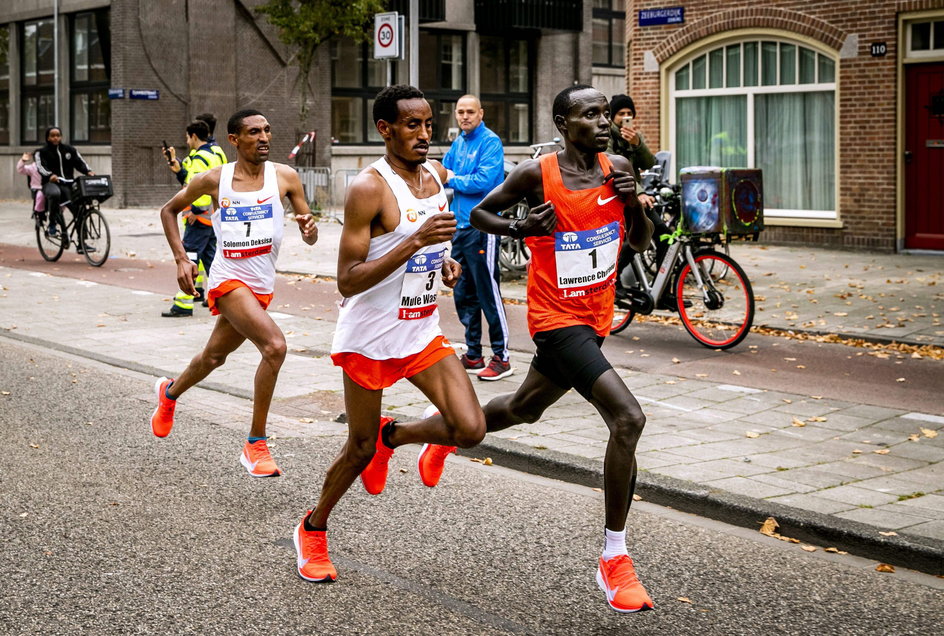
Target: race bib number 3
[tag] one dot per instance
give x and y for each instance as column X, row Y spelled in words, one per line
column 421, row 285
column 586, row 260
column 247, row 231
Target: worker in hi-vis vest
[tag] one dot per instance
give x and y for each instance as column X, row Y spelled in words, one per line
column 199, row 239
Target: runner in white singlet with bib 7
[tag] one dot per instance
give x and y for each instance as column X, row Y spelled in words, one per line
column 394, row 253
column 248, row 221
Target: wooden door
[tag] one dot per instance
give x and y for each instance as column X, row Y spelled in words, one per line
column 924, row 156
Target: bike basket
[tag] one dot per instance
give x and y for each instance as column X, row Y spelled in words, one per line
column 97, row 188
column 722, row 200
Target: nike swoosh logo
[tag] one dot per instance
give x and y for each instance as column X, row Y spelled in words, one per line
column 261, row 201
column 611, row 594
column 602, row 201
column 442, row 207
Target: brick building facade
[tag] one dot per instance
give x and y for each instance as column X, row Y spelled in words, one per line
column 861, row 85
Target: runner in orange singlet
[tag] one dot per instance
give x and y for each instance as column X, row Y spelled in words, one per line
column 582, row 201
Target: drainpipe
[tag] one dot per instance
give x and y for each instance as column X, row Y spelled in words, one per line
column 55, row 63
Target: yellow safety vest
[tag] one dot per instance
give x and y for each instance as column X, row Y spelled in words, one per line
column 196, row 162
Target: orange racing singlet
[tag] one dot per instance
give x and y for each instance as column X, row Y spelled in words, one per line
column 572, row 273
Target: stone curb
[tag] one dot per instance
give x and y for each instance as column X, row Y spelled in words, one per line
column 917, row 553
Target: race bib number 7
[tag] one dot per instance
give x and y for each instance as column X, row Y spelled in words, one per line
column 247, row 230
column 586, row 260
column 420, row 285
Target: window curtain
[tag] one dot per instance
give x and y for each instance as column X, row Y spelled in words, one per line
column 712, row 131
column 795, row 147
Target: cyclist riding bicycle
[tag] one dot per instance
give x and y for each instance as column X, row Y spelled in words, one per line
column 57, row 163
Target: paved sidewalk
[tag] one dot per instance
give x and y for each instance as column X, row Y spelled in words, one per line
column 830, row 471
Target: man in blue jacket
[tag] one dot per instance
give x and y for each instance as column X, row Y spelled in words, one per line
column 475, row 162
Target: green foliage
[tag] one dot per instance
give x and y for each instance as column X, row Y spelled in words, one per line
column 4, row 41
column 306, row 24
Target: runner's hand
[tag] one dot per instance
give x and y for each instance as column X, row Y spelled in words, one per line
column 438, row 228
column 541, row 220
column 451, row 271
column 623, row 182
column 186, row 273
column 306, row 225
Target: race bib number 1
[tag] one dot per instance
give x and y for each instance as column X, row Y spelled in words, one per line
column 421, row 285
column 247, row 231
column 586, row 260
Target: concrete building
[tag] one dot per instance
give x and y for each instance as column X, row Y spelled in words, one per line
column 841, row 103
column 132, row 73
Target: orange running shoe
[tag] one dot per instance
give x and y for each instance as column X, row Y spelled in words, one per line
column 432, row 461
column 375, row 475
column 162, row 419
column 624, row 592
column 258, row 461
column 311, row 547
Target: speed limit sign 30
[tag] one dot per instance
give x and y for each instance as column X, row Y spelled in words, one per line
column 386, row 35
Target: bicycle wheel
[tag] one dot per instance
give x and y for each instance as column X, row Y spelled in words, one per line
column 621, row 318
column 51, row 238
column 720, row 315
column 94, row 238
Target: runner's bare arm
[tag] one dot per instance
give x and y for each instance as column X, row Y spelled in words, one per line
column 524, row 182
column 638, row 226
column 291, row 186
column 204, row 183
column 366, row 199
column 440, row 170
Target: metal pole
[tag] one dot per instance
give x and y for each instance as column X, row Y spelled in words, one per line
column 55, row 63
column 415, row 43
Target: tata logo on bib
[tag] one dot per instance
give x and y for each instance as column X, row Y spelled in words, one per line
column 420, row 259
column 411, row 215
column 224, row 202
column 569, row 237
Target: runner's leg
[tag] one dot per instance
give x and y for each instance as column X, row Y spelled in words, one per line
column 241, row 308
column 525, row 405
column 625, row 419
column 223, row 341
column 460, row 422
column 363, row 415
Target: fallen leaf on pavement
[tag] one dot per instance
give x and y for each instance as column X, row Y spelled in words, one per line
column 816, row 418
column 914, row 437
column 487, row 461
column 798, row 423
column 769, row 527
column 600, row 490
column 835, row 550
column 808, row 548
column 684, row 599
column 929, row 433
column 899, row 379
column 890, row 533
column 4, row 393
column 788, row 401
column 675, row 361
column 305, row 420
column 636, row 498
column 752, row 434
column 735, row 372
column 881, row 451
column 34, row 445
column 884, row 567
column 856, row 451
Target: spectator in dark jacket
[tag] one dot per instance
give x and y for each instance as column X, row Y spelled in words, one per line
column 57, row 163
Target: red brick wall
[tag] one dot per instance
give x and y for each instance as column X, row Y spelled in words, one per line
column 867, row 89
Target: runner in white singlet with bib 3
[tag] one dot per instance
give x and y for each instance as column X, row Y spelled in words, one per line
column 248, row 221
column 394, row 253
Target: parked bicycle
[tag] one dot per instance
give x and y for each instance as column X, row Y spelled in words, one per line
column 708, row 289
column 87, row 230
column 513, row 254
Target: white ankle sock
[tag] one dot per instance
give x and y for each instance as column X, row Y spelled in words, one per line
column 615, row 543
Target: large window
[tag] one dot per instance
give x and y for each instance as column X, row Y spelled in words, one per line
column 765, row 104
column 355, row 79
column 506, row 87
column 442, row 78
column 36, row 79
column 609, row 34
column 91, row 108
column 4, row 85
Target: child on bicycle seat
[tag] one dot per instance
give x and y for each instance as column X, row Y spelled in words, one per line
column 27, row 167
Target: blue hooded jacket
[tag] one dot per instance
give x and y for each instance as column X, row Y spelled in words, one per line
column 478, row 160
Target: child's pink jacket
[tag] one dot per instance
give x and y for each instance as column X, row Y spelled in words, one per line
column 35, row 183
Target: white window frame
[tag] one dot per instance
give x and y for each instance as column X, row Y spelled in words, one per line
column 750, row 92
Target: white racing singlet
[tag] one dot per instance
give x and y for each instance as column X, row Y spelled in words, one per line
column 398, row 316
column 249, row 229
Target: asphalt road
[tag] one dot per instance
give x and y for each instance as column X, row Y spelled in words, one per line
column 109, row 530
column 833, row 371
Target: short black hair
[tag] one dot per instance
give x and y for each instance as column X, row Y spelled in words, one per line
column 198, row 128
column 385, row 104
column 564, row 101
column 49, row 130
column 235, row 123
column 208, row 119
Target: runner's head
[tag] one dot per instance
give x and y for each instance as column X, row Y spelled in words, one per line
column 581, row 114
column 249, row 131
column 405, row 121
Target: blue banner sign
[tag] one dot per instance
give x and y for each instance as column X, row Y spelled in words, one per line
column 137, row 93
column 655, row 17
column 116, row 93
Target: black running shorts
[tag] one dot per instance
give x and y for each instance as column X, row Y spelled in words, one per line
column 570, row 357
